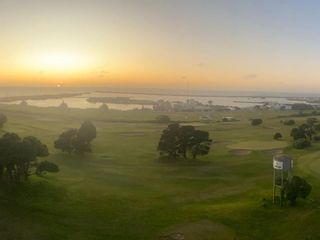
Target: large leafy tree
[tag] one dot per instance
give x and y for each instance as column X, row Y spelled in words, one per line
column 77, row 140
column 295, row 188
column 18, row 156
column 168, row 143
column 305, row 133
column 185, row 137
column 200, row 143
column 297, row 133
column 177, row 141
column 87, row 132
column 66, row 140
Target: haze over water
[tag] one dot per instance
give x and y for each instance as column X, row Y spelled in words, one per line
column 236, row 99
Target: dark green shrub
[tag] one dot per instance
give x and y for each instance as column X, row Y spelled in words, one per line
column 301, row 143
column 256, row 121
column 297, row 133
column 162, row 119
column 46, row 166
column 289, row 122
column 277, row 136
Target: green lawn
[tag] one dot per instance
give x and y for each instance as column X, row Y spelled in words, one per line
column 122, row 190
column 259, row 145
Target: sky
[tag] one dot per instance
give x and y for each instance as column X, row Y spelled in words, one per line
column 246, row 45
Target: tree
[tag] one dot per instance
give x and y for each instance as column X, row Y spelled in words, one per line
column 8, row 152
column 3, row 119
column 17, row 156
column 256, row 121
column 200, row 143
column 289, row 122
column 297, row 133
column 168, row 143
column 77, row 140
column 277, row 136
column 296, row 187
column 185, row 135
column 301, row 143
column 66, row 140
column 87, row 132
column 177, row 141
column 162, row 119
column 303, row 131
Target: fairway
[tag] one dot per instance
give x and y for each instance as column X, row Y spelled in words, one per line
column 123, row 191
column 310, row 163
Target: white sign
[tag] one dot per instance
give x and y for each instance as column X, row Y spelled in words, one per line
column 277, row 164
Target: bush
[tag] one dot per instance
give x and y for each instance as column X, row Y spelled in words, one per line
column 256, row 121
column 289, row 122
column 46, row 166
column 311, row 121
column 277, row 136
column 301, row 143
column 297, row 133
column 162, row 119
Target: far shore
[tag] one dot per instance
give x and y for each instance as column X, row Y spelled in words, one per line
column 40, row 97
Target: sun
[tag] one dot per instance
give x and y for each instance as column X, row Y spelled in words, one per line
column 57, row 61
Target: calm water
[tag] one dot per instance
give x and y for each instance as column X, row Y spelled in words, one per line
column 81, row 101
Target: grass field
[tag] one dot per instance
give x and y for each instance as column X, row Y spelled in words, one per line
column 122, row 191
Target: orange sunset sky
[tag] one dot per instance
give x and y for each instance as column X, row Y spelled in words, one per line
column 219, row 45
